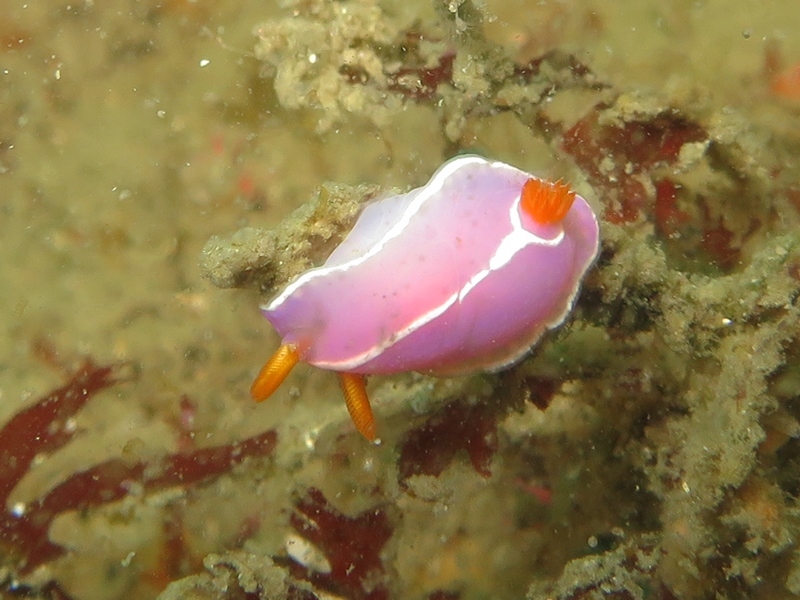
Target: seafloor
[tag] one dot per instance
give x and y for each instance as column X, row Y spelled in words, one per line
column 150, row 149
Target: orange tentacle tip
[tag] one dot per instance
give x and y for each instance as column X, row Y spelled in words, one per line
column 274, row 372
column 357, row 401
column 546, row 202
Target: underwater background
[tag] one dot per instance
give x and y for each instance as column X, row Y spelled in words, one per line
column 167, row 165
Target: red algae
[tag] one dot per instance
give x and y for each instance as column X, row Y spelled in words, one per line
column 431, row 447
column 42, row 428
column 631, row 148
column 668, row 216
column 625, row 153
column 352, row 546
column 113, row 479
column 420, row 83
column 175, row 559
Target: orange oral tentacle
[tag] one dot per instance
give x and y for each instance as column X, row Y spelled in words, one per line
column 274, row 372
column 546, row 202
column 355, row 396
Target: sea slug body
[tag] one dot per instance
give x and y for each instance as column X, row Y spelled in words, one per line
column 464, row 273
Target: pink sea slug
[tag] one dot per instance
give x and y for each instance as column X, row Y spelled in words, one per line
column 464, row 273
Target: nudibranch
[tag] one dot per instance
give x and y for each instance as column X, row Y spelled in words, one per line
column 464, row 273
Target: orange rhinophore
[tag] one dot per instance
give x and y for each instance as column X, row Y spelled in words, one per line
column 546, row 202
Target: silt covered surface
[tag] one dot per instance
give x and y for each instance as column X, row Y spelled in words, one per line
column 648, row 449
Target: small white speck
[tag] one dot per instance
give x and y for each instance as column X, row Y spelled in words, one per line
column 592, row 541
column 310, row 438
column 18, row 510
column 204, row 62
column 58, row 74
column 161, row 114
column 312, row 58
column 686, row 487
column 126, row 562
column 726, row 321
